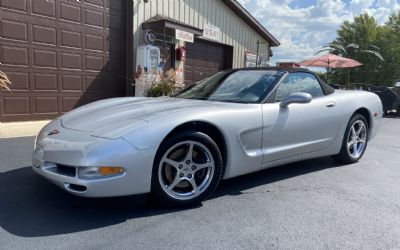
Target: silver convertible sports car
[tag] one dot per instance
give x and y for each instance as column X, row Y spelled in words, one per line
column 179, row 148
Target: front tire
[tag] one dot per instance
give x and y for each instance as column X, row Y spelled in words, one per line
column 355, row 140
column 187, row 168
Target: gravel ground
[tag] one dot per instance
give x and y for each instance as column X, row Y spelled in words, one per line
column 314, row 204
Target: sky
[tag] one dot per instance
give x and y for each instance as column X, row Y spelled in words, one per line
column 303, row 26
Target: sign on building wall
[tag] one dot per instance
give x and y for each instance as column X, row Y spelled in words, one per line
column 149, row 37
column 250, row 60
column 211, row 32
column 184, row 36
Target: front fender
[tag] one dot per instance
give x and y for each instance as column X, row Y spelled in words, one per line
column 240, row 126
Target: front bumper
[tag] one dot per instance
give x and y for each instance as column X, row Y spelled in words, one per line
column 105, row 187
column 52, row 157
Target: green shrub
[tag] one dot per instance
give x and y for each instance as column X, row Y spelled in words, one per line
column 160, row 89
column 163, row 85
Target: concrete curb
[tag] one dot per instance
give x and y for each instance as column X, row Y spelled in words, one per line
column 21, row 129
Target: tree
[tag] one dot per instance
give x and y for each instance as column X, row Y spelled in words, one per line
column 363, row 31
column 358, row 40
column 350, row 51
column 389, row 42
column 393, row 24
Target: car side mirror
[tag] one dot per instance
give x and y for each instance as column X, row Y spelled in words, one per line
column 299, row 97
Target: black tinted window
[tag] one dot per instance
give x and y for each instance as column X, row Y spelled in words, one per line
column 243, row 86
column 299, row 82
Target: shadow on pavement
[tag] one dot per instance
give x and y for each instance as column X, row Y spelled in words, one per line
column 236, row 186
column 32, row 207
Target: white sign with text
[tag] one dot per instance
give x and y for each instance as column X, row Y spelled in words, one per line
column 211, row 32
column 250, row 59
column 184, row 36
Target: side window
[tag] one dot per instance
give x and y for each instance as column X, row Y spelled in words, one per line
column 298, row 82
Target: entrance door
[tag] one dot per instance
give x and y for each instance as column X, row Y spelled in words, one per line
column 204, row 59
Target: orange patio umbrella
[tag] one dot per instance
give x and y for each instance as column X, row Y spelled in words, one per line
column 330, row 61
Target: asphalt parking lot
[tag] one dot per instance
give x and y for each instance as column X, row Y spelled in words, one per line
column 314, row 204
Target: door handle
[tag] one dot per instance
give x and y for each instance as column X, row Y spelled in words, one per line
column 331, row 105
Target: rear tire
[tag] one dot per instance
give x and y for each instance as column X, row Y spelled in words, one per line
column 355, row 140
column 187, row 168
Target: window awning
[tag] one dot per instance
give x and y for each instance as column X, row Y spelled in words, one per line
column 161, row 24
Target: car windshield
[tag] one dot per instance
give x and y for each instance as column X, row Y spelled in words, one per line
column 242, row 86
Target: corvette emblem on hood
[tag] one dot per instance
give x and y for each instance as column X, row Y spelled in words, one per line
column 53, row 132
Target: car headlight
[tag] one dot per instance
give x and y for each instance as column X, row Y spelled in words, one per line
column 44, row 132
column 38, row 138
column 99, row 172
column 35, row 143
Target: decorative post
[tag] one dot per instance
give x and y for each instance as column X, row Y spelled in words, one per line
column 258, row 50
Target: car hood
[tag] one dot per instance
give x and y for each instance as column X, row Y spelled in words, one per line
column 110, row 118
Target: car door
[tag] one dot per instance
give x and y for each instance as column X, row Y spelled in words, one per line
column 299, row 128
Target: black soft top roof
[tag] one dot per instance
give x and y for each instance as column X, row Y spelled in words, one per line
column 325, row 87
column 287, row 69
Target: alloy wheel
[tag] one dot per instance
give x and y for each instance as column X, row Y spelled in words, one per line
column 186, row 170
column 357, row 139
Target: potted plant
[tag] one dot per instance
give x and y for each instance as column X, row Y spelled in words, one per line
column 164, row 84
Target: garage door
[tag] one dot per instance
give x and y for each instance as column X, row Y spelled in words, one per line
column 60, row 54
column 204, row 59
